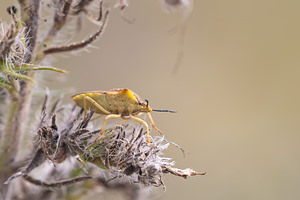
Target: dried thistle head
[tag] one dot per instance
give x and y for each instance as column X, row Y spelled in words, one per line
column 13, row 41
column 122, row 151
column 13, row 49
column 126, row 152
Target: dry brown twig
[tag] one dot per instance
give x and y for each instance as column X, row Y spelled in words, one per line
column 78, row 45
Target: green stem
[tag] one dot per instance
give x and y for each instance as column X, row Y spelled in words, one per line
column 5, row 84
column 17, row 75
column 9, row 71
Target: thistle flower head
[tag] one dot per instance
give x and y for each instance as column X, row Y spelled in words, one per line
column 12, row 43
column 121, row 151
column 13, row 49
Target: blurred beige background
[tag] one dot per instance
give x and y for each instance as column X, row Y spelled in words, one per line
column 236, row 91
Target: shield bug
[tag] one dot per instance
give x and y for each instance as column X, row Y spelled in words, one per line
column 117, row 103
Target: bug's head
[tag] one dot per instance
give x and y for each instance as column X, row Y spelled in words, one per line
column 145, row 106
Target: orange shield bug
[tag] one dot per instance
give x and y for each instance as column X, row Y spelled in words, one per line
column 117, row 103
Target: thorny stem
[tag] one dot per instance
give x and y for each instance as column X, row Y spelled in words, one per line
column 19, row 105
column 30, row 15
column 10, row 142
column 9, row 146
column 14, row 90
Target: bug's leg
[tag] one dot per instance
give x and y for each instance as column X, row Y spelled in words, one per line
column 112, row 116
column 153, row 124
column 84, row 105
column 145, row 124
column 99, row 116
column 87, row 98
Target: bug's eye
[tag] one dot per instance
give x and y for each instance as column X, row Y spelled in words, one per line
column 147, row 102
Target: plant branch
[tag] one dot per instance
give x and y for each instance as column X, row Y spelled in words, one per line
column 78, row 45
column 58, row 183
column 19, row 105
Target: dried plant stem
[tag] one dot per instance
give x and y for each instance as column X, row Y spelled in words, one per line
column 14, row 131
column 8, row 148
column 20, row 103
column 56, row 184
column 184, row 173
column 78, row 45
column 30, row 15
column 60, row 18
column 9, row 141
column 19, row 106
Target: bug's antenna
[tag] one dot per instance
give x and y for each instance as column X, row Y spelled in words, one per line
column 171, row 111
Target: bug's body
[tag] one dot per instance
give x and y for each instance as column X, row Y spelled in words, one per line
column 116, row 103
